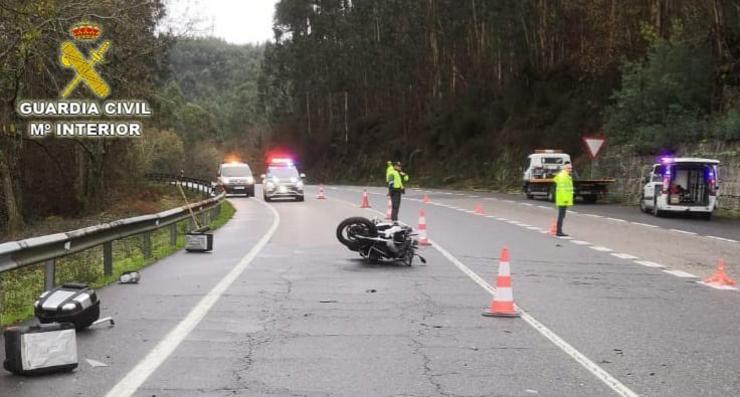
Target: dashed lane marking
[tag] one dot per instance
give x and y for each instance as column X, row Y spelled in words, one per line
column 146, row 367
column 715, row 286
column 683, row 231
column 615, row 219
column 729, row 240
column 600, row 248
column 580, row 242
column 645, row 224
column 650, row 264
column 680, row 273
column 624, row 256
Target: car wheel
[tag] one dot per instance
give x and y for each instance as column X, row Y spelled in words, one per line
column 299, row 198
column 643, row 207
column 707, row 216
column 267, row 199
column 551, row 194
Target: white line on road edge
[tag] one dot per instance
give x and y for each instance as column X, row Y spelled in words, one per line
column 650, row 264
column 139, row 374
column 592, row 367
column 615, row 219
column 680, row 273
column 580, row 242
column 600, row 248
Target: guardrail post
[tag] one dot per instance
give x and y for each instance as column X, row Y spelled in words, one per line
column 49, row 270
column 146, row 244
column 173, row 234
column 108, row 258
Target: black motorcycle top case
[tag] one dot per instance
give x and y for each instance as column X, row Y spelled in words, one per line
column 74, row 303
column 40, row 349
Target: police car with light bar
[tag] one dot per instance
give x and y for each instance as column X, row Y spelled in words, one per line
column 282, row 180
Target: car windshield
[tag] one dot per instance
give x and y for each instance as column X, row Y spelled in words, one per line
column 552, row 160
column 236, row 171
column 283, row 172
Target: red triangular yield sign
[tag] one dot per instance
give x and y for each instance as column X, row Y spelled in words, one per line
column 593, row 145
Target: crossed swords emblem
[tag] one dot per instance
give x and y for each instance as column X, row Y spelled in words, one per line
column 84, row 68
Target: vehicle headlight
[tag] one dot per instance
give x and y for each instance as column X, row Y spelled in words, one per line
column 299, row 185
column 276, row 179
column 270, row 185
column 293, row 179
column 250, row 180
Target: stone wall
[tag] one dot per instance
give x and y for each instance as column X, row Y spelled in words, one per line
column 628, row 169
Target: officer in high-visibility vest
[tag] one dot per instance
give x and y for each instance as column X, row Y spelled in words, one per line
column 395, row 178
column 563, row 194
column 388, row 170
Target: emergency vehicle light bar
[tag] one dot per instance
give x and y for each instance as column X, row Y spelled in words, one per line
column 548, row 151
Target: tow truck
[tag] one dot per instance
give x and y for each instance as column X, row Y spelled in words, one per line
column 544, row 164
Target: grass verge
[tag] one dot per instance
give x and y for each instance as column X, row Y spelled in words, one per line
column 20, row 288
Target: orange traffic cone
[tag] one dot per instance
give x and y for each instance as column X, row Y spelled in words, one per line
column 389, row 212
column 365, row 201
column 553, row 228
column 321, row 194
column 479, row 209
column 502, row 304
column 425, row 200
column 423, row 239
column 720, row 277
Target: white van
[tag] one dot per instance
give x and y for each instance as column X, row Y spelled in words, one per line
column 687, row 185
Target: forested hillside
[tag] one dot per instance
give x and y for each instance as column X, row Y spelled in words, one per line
column 461, row 89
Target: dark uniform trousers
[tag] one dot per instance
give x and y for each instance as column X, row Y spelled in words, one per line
column 395, row 203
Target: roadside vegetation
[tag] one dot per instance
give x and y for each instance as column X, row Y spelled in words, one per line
column 19, row 289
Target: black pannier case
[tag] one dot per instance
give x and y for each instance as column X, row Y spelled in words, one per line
column 72, row 302
column 40, row 349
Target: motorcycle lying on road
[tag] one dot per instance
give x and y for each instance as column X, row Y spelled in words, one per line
column 378, row 241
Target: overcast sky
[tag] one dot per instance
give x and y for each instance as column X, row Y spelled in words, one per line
column 236, row 21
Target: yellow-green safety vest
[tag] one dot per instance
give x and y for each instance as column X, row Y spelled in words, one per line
column 397, row 179
column 563, row 189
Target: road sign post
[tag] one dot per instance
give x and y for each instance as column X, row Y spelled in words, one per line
column 593, row 145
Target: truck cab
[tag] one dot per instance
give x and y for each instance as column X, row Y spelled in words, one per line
column 545, row 164
column 681, row 185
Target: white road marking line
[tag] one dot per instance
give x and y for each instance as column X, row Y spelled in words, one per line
column 729, row 240
column 600, row 248
column 580, row 242
column 146, row 367
column 574, row 212
column 542, row 206
column 524, row 225
column 624, row 256
column 683, row 231
column 513, row 222
column 680, row 273
column 593, row 215
column 533, row 228
column 544, row 231
column 565, row 237
column 590, row 366
column 715, row 286
column 650, row 264
column 474, row 196
column 509, row 201
column 615, row 219
column 645, row 224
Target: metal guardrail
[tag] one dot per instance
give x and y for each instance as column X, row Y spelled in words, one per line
column 47, row 249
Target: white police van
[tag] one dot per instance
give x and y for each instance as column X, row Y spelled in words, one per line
column 681, row 185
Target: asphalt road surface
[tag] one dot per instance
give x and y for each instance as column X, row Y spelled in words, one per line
column 280, row 308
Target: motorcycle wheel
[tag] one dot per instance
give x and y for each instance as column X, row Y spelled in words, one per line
column 350, row 230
